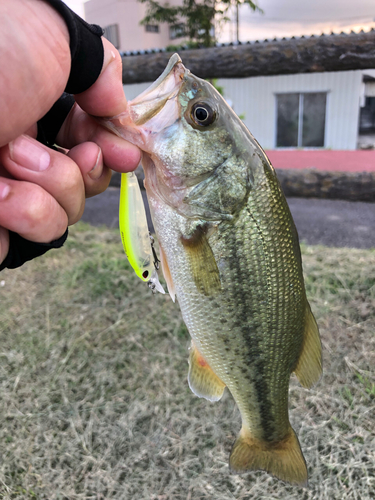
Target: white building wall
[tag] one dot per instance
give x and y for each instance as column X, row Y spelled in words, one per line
column 255, row 98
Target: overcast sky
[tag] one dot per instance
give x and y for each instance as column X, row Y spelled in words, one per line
column 293, row 17
column 303, row 17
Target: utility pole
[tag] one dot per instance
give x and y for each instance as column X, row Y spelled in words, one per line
column 237, row 22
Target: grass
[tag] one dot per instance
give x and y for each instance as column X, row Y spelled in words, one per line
column 95, row 402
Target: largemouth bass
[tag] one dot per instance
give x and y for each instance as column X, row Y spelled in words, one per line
column 230, row 254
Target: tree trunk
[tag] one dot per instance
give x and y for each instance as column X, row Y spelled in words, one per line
column 310, row 183
column 281, row 57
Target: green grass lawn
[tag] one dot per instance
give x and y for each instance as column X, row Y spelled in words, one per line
column 94, row 398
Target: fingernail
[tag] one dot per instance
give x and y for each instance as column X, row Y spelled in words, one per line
column 28, row 154
column 4, row 190
column 96, row 172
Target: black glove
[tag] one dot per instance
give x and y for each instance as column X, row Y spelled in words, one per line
column 87, row 56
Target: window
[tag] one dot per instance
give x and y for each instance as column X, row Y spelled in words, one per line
column 152, row 28
column 176, row 31
column 111, row 34
column 367, row 117
column 301, row 120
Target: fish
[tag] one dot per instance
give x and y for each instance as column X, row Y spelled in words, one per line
column 230, row 254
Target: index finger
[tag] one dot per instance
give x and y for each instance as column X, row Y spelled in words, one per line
column 79, row 127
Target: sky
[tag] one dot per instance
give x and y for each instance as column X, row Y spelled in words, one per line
column 292, row 18
column 304, row 17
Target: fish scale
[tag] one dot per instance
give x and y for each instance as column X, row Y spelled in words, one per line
column 254, row 307
column 253, row 318
column 230, row 254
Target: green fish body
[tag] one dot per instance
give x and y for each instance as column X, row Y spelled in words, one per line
column 230, row 253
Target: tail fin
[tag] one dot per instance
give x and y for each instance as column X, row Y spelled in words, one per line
column 283, row 458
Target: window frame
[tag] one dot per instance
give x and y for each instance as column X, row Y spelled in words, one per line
column 300, row 115
column 371, row 130
column 112, row 34
column 177, row 31
column 148, row 30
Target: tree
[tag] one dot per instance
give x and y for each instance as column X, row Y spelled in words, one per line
column 194, row 19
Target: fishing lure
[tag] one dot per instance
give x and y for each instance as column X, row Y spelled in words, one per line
column 135, row 236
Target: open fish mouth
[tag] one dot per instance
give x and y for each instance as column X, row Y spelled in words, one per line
column 154, row 109
column 145, row 106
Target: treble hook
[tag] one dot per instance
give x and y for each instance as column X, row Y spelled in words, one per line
column 156, row 260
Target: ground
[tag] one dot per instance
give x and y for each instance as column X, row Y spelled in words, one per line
column 334, row 223
column 95, row 401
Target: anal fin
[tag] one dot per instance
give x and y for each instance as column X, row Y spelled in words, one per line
column 283, row 459
column 203, row 382
column 309, row 365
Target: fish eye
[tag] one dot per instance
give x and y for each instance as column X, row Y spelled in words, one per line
column 203, row 114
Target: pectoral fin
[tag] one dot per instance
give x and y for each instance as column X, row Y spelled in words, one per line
column 167, row 274
column 309, row 365
column 202, row 261
column 203, row 382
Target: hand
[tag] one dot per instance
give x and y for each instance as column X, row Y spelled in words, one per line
column 42, row 190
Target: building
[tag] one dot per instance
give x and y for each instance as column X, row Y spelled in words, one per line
column 367, row 113
column 121, row 22
column 330, row 110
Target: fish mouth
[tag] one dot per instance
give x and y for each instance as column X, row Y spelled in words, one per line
column 143, row 115
column 150, row 102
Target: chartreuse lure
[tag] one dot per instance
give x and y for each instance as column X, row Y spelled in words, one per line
column 136, row 239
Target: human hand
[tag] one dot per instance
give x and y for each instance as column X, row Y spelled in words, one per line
column 42, row 190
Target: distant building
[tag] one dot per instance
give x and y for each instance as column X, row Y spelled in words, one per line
column 328, row 110
column 366, row 135
column 332, row 110
column 121, row 22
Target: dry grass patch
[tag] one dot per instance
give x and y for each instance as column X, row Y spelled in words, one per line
column 95, row 402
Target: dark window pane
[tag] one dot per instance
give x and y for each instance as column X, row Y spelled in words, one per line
column 152, row 28
column 314, row 118
column 287, row 120
column 367, row 117
column 177, row 31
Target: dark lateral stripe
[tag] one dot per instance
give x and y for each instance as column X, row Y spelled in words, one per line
column 250, row 331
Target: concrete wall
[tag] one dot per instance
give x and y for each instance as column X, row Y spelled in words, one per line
column 127, row 14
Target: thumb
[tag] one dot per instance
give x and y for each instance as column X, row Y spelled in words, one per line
column 106, row 96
